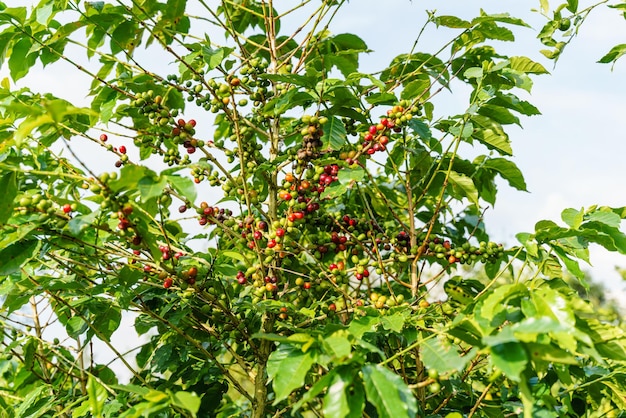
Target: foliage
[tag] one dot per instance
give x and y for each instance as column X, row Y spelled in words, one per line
column 284, row 262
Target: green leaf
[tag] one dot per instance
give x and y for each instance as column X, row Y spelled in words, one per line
column 473, row 72
column 416, row 88
column 287, row 367
column 183, row 185
column 526, row 65
column 350, row 175
column 8, row 186
column 452, row 22
column 393, row 322
column 510, row 358
column 571, row 265
column 349, row 42
column 382, row 99
column 214, row 56
column 512, row 102
column 13, row 257
column 107, row 321
column 338, row 344
column 572, row 5
column 336, row 400
column 25, row 404
column 129, row 176
column 573, row 218
column 234, row 255
column 21, row 58
column 606, row 217
column 295, row 79
column 187, row 400
column 13, row 13
column 549, row 302
column 388, row 393
column 44, row 13
column 76, row 326
column 497, row 300
column 528, row 241
column 334, row 190
column 362, row 325
column 508, row 171
column 491, row 134
column 150, row 187
column 610, row 238
column 463, row 186
column 97, row 396
column 614, row 54
column 443, row 358
column 335, row 135
column 284, row 102
column 80, row 222
column 316, row 389
column 498, row 113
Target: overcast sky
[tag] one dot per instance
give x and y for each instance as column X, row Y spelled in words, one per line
column 571, row 155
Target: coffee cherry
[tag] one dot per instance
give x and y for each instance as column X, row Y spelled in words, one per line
column 67, row 208
column 168, row 282
column 104, row 137
column 122, row 149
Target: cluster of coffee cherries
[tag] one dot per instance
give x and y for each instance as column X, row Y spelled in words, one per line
column 329, row 175
column 444, row 249
column 377, row 136
column 183, row 134
column 311, row 137
column 38, row 203
column 210, row 215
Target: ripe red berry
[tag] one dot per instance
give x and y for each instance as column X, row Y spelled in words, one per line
column 373, row 130
column 168, row 282
column 192, row 122
column 122, row 149
column 280, row 232
column 306, row 285
column 67, row 208
column 298, row 215
column 104, row 137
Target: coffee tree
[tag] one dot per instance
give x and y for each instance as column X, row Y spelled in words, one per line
column 294, row 237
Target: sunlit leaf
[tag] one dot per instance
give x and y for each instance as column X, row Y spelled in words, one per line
column 287, row 367
column 388, row 393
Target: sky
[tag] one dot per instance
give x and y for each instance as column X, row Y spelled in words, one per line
column 571, row 155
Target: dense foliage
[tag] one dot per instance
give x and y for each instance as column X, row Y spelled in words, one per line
column 294, row 237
